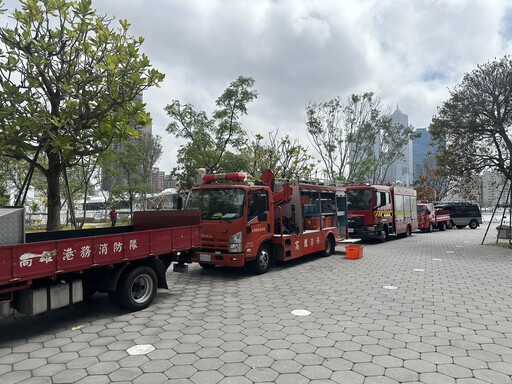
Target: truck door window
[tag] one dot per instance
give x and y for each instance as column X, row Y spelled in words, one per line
column 381, row 199
column 258, row 203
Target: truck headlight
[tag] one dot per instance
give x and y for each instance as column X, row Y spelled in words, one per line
column 235, row 243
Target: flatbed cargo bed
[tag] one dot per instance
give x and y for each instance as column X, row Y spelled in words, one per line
column 49, row 254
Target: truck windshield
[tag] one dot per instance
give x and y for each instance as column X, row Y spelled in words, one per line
column 217, row 203
column 421, row 209
column 359, row 199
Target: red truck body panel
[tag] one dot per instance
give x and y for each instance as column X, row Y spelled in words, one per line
column 29, row 261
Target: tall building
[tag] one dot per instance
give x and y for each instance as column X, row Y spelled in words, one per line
column 171, row 182
column 401, row 170
column 148, row 129
column 420, row 149
column 158, row 180
column 490, row 189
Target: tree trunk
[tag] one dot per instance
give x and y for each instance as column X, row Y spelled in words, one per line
column 54, row 206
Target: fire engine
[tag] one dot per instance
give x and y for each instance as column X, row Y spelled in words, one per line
column 256, row 223
column 377, row 211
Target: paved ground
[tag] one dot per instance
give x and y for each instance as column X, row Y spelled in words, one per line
column 449, row 320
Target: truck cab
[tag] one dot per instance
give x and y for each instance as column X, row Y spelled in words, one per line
column 234, row 219
column 426, row 216
column 369, row 212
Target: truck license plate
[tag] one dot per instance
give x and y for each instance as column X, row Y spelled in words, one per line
column 351, row 230
column 203, row 257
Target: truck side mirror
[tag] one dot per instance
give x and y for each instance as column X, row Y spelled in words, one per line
column 428, row 212
column 179, row 203
column 262, row 216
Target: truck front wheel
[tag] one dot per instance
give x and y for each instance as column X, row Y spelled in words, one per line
column 473, row 224
column 430, row 228
column 262, row 263
column 136, row 289
column 383, row 235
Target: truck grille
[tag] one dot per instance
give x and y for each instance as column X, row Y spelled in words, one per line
column 356, row 221
column 214, row 245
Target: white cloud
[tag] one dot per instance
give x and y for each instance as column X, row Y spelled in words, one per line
column 408, row 52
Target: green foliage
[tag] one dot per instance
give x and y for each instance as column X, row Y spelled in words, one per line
column 356, row 140
column 68, row 85
column 4, row 196
column 129, row 167
column 284, row 155
column 430, row 185
column 211, row 143
column 472, row 128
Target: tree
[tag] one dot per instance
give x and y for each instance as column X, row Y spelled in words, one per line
column 472, row 128
column 356, row 141
column 151, row 150
column 211, row 140
column 284, row 155
column 4, row 195
column 328, row 135
column 393, row 139
column 430, row 185
column 129, row 167
column 68, row 87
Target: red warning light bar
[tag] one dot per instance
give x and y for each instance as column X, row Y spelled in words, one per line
column 213, row 177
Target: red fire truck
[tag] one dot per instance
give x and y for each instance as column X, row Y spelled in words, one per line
column 48, row 270
column 377, row 211
column 244, row 223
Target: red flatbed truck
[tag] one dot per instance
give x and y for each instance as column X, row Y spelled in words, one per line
column 429, row 218
column 49, row 270
column 378, row 211
column 245, row 224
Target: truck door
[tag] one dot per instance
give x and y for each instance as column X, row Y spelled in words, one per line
column 258, row 216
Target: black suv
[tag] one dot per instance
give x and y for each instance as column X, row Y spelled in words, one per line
column 462, row 214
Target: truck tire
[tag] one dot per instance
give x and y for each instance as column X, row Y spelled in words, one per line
column 383, row 236
column 441, row 226
column 262, row 263
column 330, row 246
column 473, row 224
column 136, row 289
column 207, row 266
column 449, row 225
column 430, row 227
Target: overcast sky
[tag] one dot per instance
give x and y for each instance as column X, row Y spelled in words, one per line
column 409, row 53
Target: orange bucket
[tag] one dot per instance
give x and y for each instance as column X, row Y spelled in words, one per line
column 354, row 251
